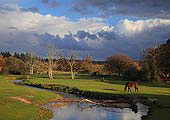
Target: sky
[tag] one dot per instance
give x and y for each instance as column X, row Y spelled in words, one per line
column 99, row 28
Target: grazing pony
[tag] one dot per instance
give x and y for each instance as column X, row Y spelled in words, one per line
column 131, row 84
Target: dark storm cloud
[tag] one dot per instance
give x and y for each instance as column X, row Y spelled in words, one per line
column 33, row 9
column 107, row 35
column 133, row 8
column 51, row 3
column 39, row 42
column 6, row 8
column 12, row 28
column 110, row 42
column 17, row 41
column 67, row 42
column 85, row 35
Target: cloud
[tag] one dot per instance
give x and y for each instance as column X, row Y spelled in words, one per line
column 11, row 7
column 32, row 9
column 8, row 7
column 51, row 3
column 85, row 35
column 132, row 8
column 67, row 42
column 22, row 31
column 9, row 1
column 131, row 28
column 25, row 31
column 12, row 28
column 47, row 23
column 131, row 37
column 17, row 41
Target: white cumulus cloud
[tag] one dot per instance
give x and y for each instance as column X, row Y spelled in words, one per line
column 22, row 31
column 36, row 22
column 130, row 28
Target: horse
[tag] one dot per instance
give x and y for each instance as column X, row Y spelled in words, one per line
column 131, row 84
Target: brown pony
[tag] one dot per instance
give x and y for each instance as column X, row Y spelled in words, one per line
column 131, row 84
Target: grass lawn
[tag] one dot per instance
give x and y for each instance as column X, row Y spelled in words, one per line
column 115, row 86
column 12, row 109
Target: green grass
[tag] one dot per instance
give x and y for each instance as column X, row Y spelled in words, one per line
column 116, row 86
column 11, row 109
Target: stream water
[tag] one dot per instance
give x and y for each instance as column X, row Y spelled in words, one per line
column 73, row 111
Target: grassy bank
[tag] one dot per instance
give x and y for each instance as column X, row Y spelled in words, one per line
column 13, row 109
column 115, row 86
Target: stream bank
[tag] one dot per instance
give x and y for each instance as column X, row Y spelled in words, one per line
column 121, row 102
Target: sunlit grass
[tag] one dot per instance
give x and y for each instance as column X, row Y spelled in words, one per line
column 115, row 86
column 14, row 110
column 11, row 109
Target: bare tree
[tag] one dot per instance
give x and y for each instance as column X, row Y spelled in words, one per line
column 72, row 63
column 51, row 52
column 31, row 59
column 86, row 64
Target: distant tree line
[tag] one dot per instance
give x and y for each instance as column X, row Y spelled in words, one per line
column 27, row 63
column 154, row 65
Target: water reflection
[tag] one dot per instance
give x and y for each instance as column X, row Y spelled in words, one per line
column 72, row 112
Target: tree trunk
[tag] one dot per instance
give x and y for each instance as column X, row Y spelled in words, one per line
column 31, row 70
column 119, row 73
column 50, row 71
column 72, row 73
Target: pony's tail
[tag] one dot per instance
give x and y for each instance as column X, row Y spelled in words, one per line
column 125, row 87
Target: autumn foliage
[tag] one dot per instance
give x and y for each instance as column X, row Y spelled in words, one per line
column 118, row 63
column 157, row 62
column 2, row 63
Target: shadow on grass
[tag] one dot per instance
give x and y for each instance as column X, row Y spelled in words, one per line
column 163, row 101
column 111, row 89
column 120, row 81
column 108, row 79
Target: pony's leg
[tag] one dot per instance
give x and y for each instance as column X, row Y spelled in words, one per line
column 136, row 89
column 129, row 90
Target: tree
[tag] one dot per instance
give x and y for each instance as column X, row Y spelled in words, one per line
column 163, row 62
column 15, row 66
column 31, row 61
column 86, row 64
column 150, row 59
column 51, row 52
column 2, row 63
column 72, row 63
column 134, row 72
column 40, row 66
column 99, row 69
column 62, row 64
column 157, row 61
column 6, row 54
column 31, row 58
column 118, row 63
column 22, row 56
